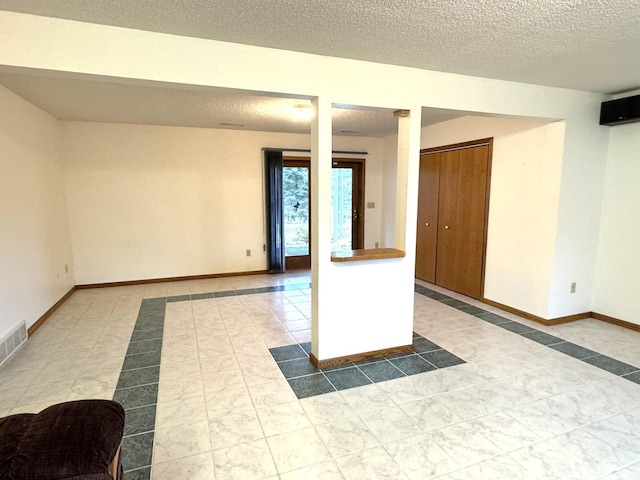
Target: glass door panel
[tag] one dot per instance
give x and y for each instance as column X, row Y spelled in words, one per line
column 347, row 226
column 341, row 209
column 295, row 193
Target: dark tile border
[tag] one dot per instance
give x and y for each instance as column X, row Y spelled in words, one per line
column 621, row 369
column 307, row 381
column 137, row 387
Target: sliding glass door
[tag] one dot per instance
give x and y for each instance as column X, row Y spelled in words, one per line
column 295, row 194
column 347, row 222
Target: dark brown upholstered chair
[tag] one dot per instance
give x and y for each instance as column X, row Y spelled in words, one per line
column 72, row 441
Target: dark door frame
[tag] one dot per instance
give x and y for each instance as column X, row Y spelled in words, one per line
column 358, row 213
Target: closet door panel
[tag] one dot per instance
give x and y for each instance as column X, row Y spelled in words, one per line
column 447, row 255
column 462, row 210
column 427, row 228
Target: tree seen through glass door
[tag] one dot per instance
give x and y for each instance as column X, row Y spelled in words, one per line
column 295, row 190
column 295, row 183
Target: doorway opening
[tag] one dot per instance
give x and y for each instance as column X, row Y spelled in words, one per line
column 347, row 208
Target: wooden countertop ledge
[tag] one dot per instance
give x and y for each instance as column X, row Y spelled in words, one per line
column 366, row 254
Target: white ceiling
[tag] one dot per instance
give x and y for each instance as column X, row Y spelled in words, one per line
column 103, row 99
column 581, row 44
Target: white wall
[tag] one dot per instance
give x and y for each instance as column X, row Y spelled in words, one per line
column 581, row 193
column 153, row 202
column 618, row 264
column 35, row 244
column 132, row 55
column 524, row 200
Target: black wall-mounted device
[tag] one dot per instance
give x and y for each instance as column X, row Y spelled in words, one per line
column 622, row 110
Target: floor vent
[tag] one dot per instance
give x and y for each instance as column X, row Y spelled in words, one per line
column 10, row 343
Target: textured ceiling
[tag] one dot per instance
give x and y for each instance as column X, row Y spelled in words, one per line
column 99, row 99
column 582, row 44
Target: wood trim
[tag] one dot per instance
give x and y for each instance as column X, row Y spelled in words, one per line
column 616, row 321
column 529, row 316
column 366, row 254
column 31, row 330
column 169, row 279
column 487, row 196
column 567, row 318
column 358, row 357
column 458, row 146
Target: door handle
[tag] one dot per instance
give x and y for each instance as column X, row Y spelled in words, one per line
column 446, row 227
column 426, row 224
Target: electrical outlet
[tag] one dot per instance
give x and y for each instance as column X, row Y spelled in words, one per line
column 573, row 287
column 248, row 253
column 377, row 245
column 371, row 204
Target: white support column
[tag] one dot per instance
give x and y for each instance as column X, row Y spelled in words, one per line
column 408, row 168
column 320, row 222
column 362, row 307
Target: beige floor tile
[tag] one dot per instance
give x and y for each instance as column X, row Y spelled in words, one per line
column 283, row 418
column 245, row 461
column 194, row 467
column 323, row 471
column 181, row 411
column 297, row 449
column 171, row 443
column 234, row 429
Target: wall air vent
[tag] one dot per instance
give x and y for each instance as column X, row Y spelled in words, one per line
column 620, row 111
column 10, row 343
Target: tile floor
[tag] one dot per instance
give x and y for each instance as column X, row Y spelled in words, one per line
column 205, row 398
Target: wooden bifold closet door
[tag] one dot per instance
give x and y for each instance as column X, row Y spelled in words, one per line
column 452, row 216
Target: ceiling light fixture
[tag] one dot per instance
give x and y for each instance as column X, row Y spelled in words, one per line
column 302, row 111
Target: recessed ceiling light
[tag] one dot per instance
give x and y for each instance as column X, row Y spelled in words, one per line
column 302, row 111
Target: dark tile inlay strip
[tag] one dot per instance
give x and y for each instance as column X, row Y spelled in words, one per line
column 307, row 381
column 139, row 474
column 573, row 350
column 633, row 377
column 311, row 385
column 138, row 377
column 611, row 365
column 140, row 420
column 542, row 338
column 347, row 378
column 624, row 370
column 442, row 358
column 137, row 388
column 413, row 364
column 136, row 451
column 381, row 371
column 516, row 327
